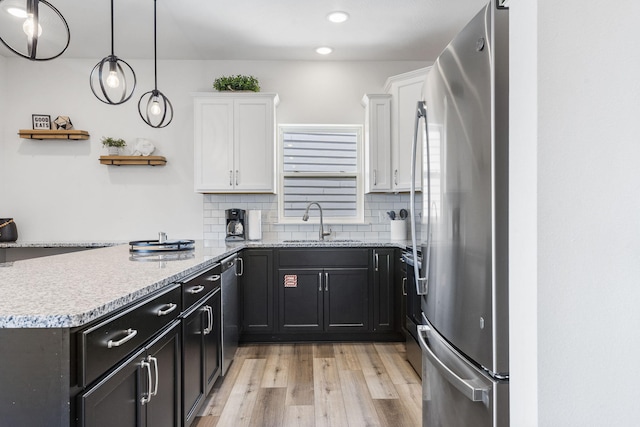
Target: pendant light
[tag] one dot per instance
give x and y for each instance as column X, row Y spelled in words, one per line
column 31, row 31
column 111, row 76
column 158, row 111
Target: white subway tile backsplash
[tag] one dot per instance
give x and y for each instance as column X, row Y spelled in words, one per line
column 376, row 223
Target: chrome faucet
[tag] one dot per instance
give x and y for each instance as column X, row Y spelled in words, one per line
column 305, row 217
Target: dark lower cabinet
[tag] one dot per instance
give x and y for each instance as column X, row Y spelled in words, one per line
column 142, row 391
column 336, row 294
column 383, row 290
column 331, row 299
column 165, row 356
column 256, row 291
column 301, row 300
column 346, row 300
column 201, row 353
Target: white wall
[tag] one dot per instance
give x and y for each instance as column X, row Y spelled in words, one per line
column 577, row 300
column 57, row 190
column 3, row 96
column 523, row 230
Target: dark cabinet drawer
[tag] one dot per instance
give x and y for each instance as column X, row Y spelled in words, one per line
column 334, row 257
column 197, row 287
column 108, row 342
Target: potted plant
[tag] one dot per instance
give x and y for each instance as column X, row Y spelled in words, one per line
column 236, row 83
column 113, row 145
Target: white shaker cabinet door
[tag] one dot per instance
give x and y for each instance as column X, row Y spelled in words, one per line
column 234, row 142
column 377, row 142
column 254, row 148
column 213, row 145
column 406, row 90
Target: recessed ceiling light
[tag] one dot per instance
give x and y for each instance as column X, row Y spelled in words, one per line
column 338, row 16
column 324, row 50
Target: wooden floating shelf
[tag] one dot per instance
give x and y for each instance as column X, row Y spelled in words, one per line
column 133, row 160
column 53, row 134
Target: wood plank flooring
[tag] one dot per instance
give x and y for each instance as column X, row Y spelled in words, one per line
column 307, row 385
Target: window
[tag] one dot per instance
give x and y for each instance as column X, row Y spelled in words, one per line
column 321, row 164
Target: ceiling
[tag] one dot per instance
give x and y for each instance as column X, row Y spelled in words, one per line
column 378, row 30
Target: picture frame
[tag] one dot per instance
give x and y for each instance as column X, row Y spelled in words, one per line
column 41, row 121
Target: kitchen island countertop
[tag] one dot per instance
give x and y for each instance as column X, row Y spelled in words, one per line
column 70, row 290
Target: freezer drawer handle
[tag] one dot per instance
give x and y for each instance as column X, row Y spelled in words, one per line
column 470, row 391
column 130, row 334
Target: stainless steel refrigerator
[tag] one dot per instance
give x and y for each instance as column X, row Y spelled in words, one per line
column 463, row 234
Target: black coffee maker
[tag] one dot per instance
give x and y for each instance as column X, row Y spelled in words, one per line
column 236, row 229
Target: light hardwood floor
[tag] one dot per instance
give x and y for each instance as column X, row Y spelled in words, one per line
column 341, row 385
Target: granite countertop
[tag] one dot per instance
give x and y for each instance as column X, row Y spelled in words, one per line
column 8, row 245
column 70, row 290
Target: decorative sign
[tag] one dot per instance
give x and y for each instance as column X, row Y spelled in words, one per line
column 290, row 280
column 40, row 121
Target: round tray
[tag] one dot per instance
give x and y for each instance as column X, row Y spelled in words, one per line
column 156, row 246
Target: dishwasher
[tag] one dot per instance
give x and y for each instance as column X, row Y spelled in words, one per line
column 229, row 296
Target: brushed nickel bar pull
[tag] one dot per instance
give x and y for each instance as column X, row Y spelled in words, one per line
column 155, row 366
column 241, row 262
column 237, row 176
column 210, row 319
column 326, row 282
column 319, row 282
column 230, row 178
column 130, row 334
column 209, row 327
column 376, row 258
column 196, row 289
column 172, row 307
column 145, row 365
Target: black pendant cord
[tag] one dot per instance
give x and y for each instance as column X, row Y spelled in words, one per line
column 158, row 111
column 155, row 45
column 112, row 35
column 120, row 91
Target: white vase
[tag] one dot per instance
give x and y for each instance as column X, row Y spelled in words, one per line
column 113, row 151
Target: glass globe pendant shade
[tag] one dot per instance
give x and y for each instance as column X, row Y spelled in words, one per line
column 155, row 109
column 33, row 29
column 110, row 79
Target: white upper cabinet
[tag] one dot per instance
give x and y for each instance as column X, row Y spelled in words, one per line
column 405, row 90
column 234, row 142
column 377, row 143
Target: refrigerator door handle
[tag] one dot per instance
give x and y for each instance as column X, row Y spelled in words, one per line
column 422, row 283
column 465, row 386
